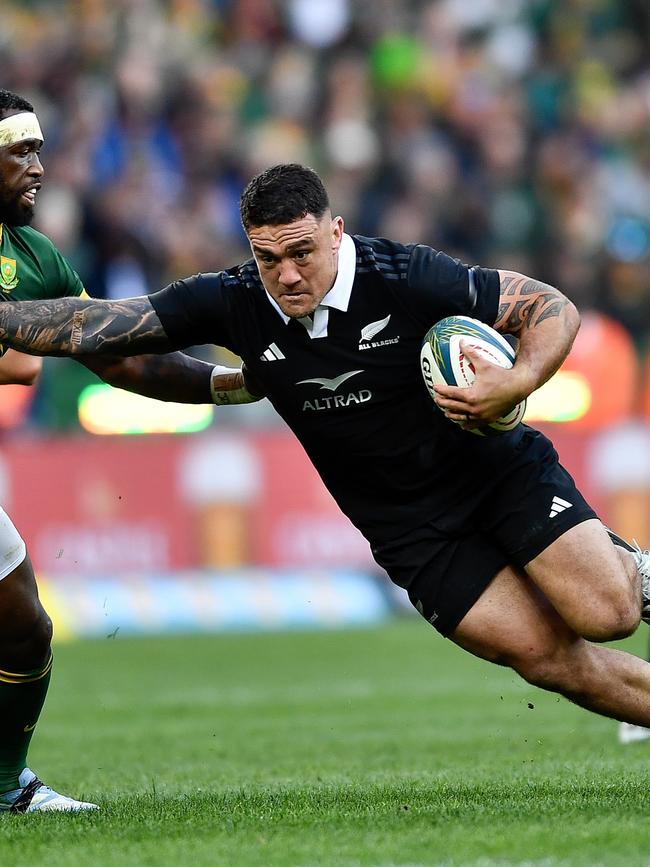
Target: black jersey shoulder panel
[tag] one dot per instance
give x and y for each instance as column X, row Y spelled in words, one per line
column 448, row 287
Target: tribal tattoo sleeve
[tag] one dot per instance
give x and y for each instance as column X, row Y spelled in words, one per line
column 72, row 326
column 525, row 303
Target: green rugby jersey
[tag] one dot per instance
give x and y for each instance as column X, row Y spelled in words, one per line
column 31, row 268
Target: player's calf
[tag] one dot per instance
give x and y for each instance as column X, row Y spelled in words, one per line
column 25, row 656
column 601, row 679
column 556, row 670
column 513, row 624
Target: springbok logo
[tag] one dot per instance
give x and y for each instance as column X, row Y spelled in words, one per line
column 8, row 278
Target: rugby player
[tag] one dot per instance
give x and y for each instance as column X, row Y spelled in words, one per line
column 31, row 268
column 330, row 327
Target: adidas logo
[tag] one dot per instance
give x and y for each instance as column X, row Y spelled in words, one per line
column 558, row 505
column 272, row 354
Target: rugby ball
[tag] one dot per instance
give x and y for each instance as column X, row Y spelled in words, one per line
column 443, row 363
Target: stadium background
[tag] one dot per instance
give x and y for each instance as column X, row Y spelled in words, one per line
column 510, row 133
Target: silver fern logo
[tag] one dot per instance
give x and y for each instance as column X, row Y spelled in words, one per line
column 371, row 330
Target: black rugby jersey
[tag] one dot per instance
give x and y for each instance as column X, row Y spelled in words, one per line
column 355, row 398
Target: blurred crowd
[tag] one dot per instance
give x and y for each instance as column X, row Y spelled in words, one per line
column 510, row 133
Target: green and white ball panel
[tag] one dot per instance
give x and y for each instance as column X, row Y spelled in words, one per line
column 443, row 362
column 461, row 371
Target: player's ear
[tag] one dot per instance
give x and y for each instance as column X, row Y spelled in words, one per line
column 336, row 227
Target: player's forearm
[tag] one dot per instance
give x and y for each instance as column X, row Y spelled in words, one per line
column 71, row 326
column 542, row 351
column 544, row 320
column 173, row 377
column 19, row 369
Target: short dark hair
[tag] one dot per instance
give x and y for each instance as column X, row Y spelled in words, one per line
column 282, row 194
column 12, row 102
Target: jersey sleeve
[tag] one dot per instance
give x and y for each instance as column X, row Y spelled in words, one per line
column 443, row 286
column 195, row 310
column 60, row 278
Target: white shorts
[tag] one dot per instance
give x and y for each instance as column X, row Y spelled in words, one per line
column 12, row 546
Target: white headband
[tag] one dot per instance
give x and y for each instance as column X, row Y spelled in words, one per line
column 19, row 127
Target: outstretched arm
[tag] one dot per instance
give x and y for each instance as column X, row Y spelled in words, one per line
column 545, row 322
column 175, row 377
column 73, row 326
column 95, row 332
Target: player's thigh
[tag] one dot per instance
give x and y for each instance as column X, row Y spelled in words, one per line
column 588, row 581
column 19, row 600
column 539, row 518
column 25, row 628
column 20, row 608
column 514, row 624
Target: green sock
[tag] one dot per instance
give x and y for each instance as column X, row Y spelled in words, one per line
column 21, row 698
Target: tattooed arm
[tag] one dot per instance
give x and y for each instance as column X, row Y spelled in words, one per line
column 73, row 326
column 545, row 322
column 88, row 329
column 543, row 319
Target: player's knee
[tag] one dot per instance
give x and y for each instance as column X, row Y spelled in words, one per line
column 29, row 646
column 43, row 631
column 612, row 620
column 37, row 638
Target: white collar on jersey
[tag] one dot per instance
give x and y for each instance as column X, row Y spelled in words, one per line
column 338, row 296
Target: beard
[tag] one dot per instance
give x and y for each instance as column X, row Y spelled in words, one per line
column 12, row 212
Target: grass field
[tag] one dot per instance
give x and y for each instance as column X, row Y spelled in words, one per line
column 375, row 747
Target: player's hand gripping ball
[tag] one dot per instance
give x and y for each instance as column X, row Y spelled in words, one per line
column 443, row 362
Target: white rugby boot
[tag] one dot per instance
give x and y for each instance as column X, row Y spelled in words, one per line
column 628, row 733
column 35, row 797
column 642, row 560
column 631, row 734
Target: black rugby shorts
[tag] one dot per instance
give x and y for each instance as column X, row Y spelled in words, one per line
column 533, row 504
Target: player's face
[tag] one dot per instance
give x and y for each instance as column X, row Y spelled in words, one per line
column 298, row 261
column 20, row 179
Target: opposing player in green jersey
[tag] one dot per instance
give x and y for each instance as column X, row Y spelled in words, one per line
column 32, row 268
